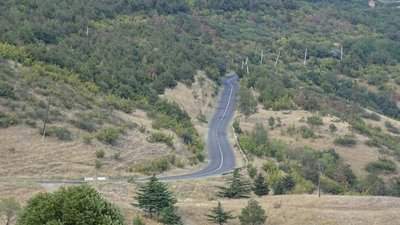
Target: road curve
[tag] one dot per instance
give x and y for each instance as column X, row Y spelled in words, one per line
column 220, row 152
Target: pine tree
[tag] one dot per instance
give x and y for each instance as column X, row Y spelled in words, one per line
column 219, row 216
column 260, row 186
column 170, row 216
column 238, row 188
column 288, row 183
column 252, row 214
column 154, row 196
column 278, row 188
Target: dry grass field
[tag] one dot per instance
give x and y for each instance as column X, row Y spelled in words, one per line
column 24, row 154
column 197, row 197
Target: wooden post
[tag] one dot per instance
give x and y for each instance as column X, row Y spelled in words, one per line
column 277, row 58
column 46, row 117
column 305, row 57
column 319, row 179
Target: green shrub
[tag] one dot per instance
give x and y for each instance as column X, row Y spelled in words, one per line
column 31, row 123
column 330, row 186
column 87, row 138
column 159, row 165
column 373, row 143
column 61, row 133
column 371, row 116
column 391, row 128
column 100, row 153
column 98, row 164
column 201, row 117
column 306, row 132
column 161, row 137
column 86, row 125
column 137, row 220
column 315, row 121
column 381, row 165
column 142, row 128
column 7, row 90
column 270, row 167
column 108, row 135
column 7, row 120
column 346, row 140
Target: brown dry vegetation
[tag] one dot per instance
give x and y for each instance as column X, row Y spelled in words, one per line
column 23, row 153
column 357, row 157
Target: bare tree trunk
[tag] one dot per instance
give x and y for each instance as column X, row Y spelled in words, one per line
column 262, row 57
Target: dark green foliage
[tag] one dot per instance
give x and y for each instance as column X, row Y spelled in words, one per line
column 306, row 132
column 6, row 90
column 346, row 140
column 157, row 165
column 252, row 214
column 279, row 189
column 100, row 153
column 252, row 170
column 137, row 220
column 391, row 128
column 154, row 196
column 396, row 188
column 61, row 133
column 237, row 187
column 108, row 135
column 169, row 216
column 85, row 125
column 71, row 206
column 332, row 128
column 247, row 104
column 218, row 215
column 7, row 120
column 260, row 187
column 236, row 126
column 381, row 165
column 315, row 121
column 161, row 137
column 288, row 183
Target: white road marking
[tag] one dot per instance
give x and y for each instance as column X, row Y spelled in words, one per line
column 219, row 126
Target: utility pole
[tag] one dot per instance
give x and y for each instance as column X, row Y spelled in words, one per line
column 277, row 58
column 305, row 56
column 247, row 64
column 341, row 52
column 262, row 57
column 46, row 117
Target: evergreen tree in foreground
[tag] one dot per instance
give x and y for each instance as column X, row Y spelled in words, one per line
column 238, row 188
column 260, row 186
column 170, row 216
column 154, row 196
column 252, row 214
column 219, row 216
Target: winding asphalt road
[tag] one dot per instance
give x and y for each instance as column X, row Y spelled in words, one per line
column 220, row 152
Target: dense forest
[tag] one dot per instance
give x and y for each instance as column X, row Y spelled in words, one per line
column 308, row 55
